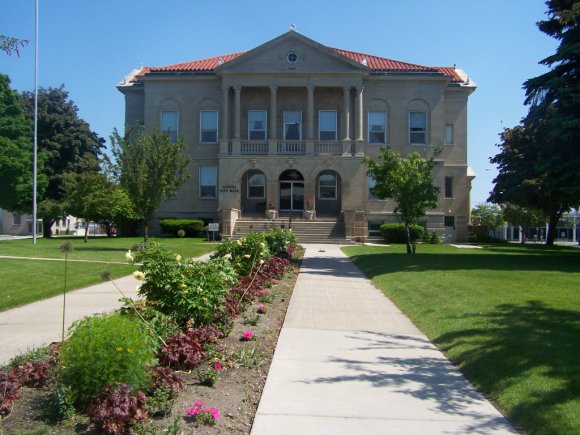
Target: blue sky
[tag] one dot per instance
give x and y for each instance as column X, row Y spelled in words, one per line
column 90, row 45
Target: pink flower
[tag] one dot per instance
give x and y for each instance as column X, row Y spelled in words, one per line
column 215, row 413
column 193, row 411
column 218, row 367
column 261, row 309
column 274, row 281
column 248, row 335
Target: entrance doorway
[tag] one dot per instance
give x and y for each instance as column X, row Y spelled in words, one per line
column 291, row 191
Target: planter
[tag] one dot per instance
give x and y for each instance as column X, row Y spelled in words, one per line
column 308, row 214
column 271, row 214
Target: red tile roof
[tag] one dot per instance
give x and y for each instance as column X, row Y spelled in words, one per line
column 374, row 63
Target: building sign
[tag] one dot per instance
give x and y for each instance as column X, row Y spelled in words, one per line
column 229, row 188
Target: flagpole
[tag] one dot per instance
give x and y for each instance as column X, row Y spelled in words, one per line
column 34, row 162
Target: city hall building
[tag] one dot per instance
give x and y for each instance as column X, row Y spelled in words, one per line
column 284, row 127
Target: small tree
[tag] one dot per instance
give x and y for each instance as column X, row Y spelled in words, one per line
column 489, row 215
column 408, row 180
column 150, row 168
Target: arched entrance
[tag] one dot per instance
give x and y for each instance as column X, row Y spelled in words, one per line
column 291, row 191
column 254, row 192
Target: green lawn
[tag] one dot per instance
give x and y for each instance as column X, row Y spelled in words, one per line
column 23, row 281
column 508, row 316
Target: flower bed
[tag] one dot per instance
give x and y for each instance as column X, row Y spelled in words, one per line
column 214, row 365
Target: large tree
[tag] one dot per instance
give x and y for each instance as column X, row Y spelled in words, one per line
column 15, row 153
column 539, row 159
column 407, row 180
column 524, row 218
column 529, row 172
column 65, row 142
column 151, row 168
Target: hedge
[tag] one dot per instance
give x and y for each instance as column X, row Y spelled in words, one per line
column 395, row 233
column 192, row 227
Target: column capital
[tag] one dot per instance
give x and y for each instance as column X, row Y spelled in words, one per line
column 237, row 88
column 226, row 88
column 346, row 88
column 310, row 88
column 273, row 88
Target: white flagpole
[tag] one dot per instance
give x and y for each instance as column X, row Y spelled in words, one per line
column 35, row 122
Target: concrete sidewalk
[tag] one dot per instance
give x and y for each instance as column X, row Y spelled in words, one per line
column 40, row 323
column 349, row 362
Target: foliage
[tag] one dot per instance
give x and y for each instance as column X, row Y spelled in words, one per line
column 192, row 227
column 209, row 377
column 105, row 349
column 407, row 180
column 188, row 290
column 203, row 415
column 181, row 352
column 184, row 351
column 164, row 377
column 434, row 238
column 523, row 217
column 34, row 374
column 489, row 215
column 160, row 402
column 247, row 357
column 11, row 45
column 539, row 158
column 66, row 144
column 115, row 408
column 243, row 253
column 396, row 233
column 9, row 392
column 59, row 403
column 527, row 166
column 278, row 239
column 15, row 153
column 44, row 353
column 151, row 169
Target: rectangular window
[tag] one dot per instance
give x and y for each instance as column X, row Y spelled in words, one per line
column 209, row 126
column 327, row 125
column 208, row 182
column 371, row 183
column 169, row 124
column 292, row 125
column 418, row 127
column 448, row 187
column 257, row 125
column 374, row 229
column 449, row 134
column 449, row 221
column 17, row 219
column 377, row 127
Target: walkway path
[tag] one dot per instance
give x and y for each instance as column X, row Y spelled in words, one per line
column 40, row 323
column 349, row 362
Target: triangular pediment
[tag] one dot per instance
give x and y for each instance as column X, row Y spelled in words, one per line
column 291, row 52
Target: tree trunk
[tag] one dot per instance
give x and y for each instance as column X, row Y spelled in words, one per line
column 408, row 237
column 46, row 225
column 86, row 231
column 554, row 218
column 145, row 232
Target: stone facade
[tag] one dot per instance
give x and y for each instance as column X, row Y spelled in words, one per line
column 286, row 125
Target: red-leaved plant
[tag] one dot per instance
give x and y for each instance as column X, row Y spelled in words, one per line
column 35, row 374
column 165, row 377
column 9, row 392
column 115, row 408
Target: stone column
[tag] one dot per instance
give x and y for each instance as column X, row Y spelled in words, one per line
column 237, row 104
column 273, row 112
column 225, row 111
column 346, row 113
column 310, row 113
column 359, row 114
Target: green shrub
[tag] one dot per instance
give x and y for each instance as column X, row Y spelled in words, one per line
column 184, row 289
column 434, row 239
column 395, row 233
column 278, row 239
column 243, row 253
column 106, row 349
column 192, row 227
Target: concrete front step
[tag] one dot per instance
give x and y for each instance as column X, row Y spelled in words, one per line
column 317, row 231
